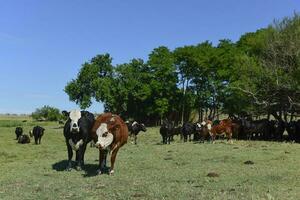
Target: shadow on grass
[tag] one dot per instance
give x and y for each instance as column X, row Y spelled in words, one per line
column 89, row 169
column 61, row 165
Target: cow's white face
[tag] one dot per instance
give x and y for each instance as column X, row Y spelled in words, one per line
column 74, row 115
column 105, row 138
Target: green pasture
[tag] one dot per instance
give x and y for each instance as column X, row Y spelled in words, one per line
column 148, row 170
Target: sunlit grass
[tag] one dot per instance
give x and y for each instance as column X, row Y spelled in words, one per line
column 149, row 170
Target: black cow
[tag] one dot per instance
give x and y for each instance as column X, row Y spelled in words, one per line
column 77, row 132
column 188, row 129
column 293, row 129
column 166, row 131
column 257, row 130
column 18, row 132
column 134, row 128
column 24, row 139
column 37, row 133
column 277, row 130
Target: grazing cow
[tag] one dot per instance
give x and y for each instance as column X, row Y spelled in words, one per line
column 24, row 139
column 77, row 134
column 37, row 133
column 166, row 131
column 18, row 132
column 134, row 129
column 109, row 133
column 224, row 127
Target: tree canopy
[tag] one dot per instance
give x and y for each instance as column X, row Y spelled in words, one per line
column 259, row 74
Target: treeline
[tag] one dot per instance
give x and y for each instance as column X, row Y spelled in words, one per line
column 257, row 75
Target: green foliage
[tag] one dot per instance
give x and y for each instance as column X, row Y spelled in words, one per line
column 47, row 113
column 258, row 74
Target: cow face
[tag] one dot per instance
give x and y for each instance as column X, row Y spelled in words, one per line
column 143, row 127
column 198, row 127
column 105, row 138
column 74, row 116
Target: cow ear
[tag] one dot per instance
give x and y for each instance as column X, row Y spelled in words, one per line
column 65, row 113
column 115, row 127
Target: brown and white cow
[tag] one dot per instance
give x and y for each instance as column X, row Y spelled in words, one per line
column 109, row 134
column 224, row 127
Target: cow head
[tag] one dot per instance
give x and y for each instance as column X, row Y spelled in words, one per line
column 198, row 127
column 143, row 127
column 74, row 117
column 105, row 133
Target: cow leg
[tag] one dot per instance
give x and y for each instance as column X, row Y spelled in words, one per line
column 70, row 155
column 102, row 161
column 112, row 160
column 80, row 156
column 40, row 140
column 36, row 140
column 135, row 137
column 185, row 138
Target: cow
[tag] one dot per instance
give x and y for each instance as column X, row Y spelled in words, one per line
column 109, row 133
column 187, row 130
column 18, row 132
column 166, row 131
column 293, row 129
column 77, row 133
column 177, row 130
column 37, row 133
column 258, row 129
column 134, row 129
column 277, row 130
column 205, row 127
column 224, row 127
column 23, row 139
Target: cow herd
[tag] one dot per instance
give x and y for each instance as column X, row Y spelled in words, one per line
column 37, row 132
column 108, row 132
column 241, row 129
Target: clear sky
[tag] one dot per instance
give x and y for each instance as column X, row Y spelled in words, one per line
column 44, row 42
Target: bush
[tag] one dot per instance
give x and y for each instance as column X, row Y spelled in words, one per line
column 47, row 113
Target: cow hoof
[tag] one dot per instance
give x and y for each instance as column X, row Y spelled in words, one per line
column 99, row 172
column 68, row 169
column 111, row 172
column 78, row 168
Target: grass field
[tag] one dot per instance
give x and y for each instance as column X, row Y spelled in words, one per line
column 148, row 170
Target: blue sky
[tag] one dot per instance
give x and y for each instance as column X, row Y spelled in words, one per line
column 43, row 43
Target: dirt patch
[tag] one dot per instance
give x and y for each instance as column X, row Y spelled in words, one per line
column 137, row 195
column 249, row 162
column 213, row 174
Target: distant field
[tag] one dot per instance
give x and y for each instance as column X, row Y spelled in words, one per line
column 148, row 170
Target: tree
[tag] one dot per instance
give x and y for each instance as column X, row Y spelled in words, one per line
column 47, row 113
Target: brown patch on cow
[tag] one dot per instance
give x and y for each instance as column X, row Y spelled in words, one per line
column 213, row 174
column 249, row 162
